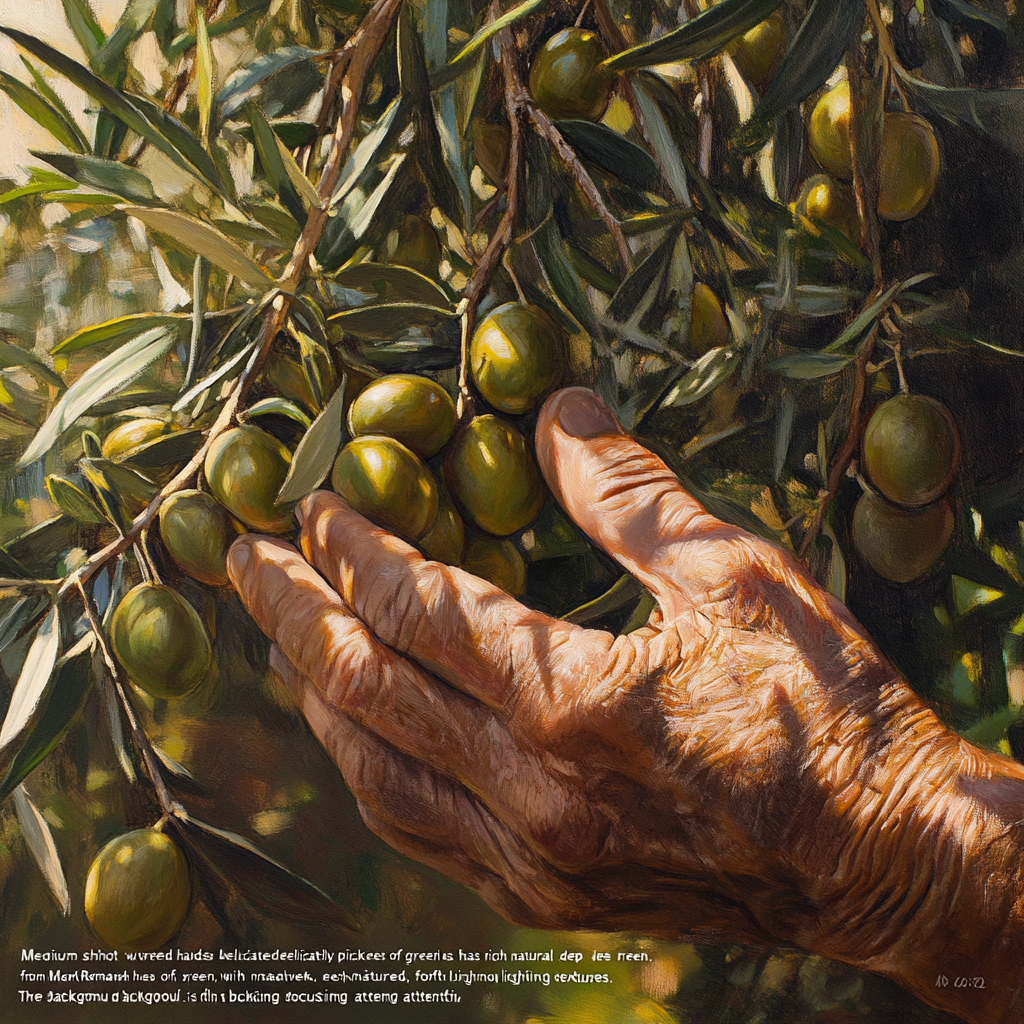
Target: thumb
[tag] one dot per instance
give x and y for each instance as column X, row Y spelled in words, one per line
column 620, row 494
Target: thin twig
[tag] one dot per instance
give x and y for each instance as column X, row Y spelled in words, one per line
column 168, row 804
column 593, row 195
column 365, row 45
column 516, row 100
column 849, row 449
column 865, row 180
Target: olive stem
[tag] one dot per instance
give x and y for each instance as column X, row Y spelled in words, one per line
column 515, row 102
column 865, row 180
column 842, row 461
column 554, row 137
column 167, row 802
column 357, row 56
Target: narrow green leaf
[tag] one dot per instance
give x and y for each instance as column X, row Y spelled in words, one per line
column 58, row 104
column 200, row 282
column 562, row 277
column 103, row 378
column 115, row 101
column 316, row 452
column 84, row 25
column 182, row 139
column 204, row 75
column 366, row 153
column 366, row 283
column 123, row 181
column 460, row 62
column 221, row 373
column 170, row 449
column 706, row 374
column 262, row 880
column 624, row 592
column 601, row 145
column 809, row 365
column 35, row 674
column 64, row 698
column 220, row 27
column 40, row 181
column 388, row 319
column 267, row 146
column 133, row 22
column 815, row 52
column 707, row 34
column 198, row 237
column 72, row 500
column 120, row 329
column 42, row 112
column 40, row 843
column 631, row 292
column 11, row 355
column 968, row 595
column 292, row 133
column 663, row 143
column 965, row 13
column 277, row 406
column 246, row 82
column 17, row 612
column 301, row 183
column 871, row 314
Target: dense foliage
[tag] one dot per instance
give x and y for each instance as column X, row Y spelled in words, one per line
column 747, row 226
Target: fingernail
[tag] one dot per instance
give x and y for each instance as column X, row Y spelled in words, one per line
column 582, row 414
column 238, row 562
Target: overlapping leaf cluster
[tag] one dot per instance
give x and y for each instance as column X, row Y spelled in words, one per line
column 259, row 202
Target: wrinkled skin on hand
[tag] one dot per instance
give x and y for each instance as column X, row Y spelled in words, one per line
column 748, row 767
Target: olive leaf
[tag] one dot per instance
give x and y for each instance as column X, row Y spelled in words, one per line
column 58, row 706
column 316, row 452
column 707, row 34
column 198, row 237
column 33, row 678
column 365, row 283
column 103, row 378
column 204, row 74
column 388, row 319
column 120, row 329
column 126, row 182
column 706, row 374
column 277, row 406
column 809, row 365
column 814, row 53
column 70, row 498
column 43, row 112
column 40, row 843
column 263, row 881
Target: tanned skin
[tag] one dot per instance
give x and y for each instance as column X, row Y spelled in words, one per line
column 749, row 767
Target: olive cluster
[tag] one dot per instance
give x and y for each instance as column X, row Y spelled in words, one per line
column 908, row 165
column 909, row 454
column 458, row 495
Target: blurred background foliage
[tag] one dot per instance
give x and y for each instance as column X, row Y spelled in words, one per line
column 214, row 113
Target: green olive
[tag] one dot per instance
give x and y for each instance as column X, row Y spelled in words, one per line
column 445, row 539
column 516, row 356
column 910, row 449
column 908, row 166
column 759, row 51
column 414, row 410
column 160, row 641
column 708, row 326
column 126, row 438
column 197, row 531
column 828, row 131
column 138, row 891
column 832, row 202
column 567, row 79
column 497, row 560
column 493, row 476
column 245, row 468
column 381, row 479
column 899, row 544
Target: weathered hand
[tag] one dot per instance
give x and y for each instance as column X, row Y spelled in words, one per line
column 749, row 768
